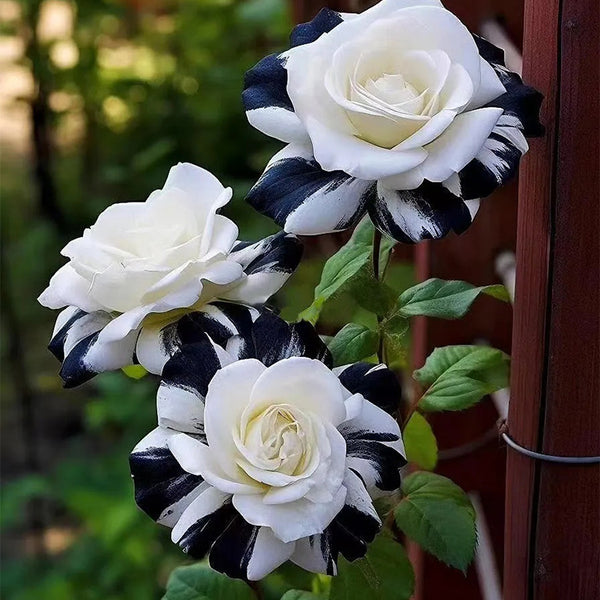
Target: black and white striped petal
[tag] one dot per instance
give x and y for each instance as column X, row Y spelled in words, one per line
column 304, row 199
column 248, row 552
column 306, row 33
column 488, row 51
column 266, row 101
column 377, row 459
column 428, row 212
column 498, row 160
column 163, row 490
column 520, row 102
column 267, row 265
column 373, row 441
column 203, row 521
column 348, row 534
column 316, row 554
column 375, row 451
column 357, row 524
column 76, row 343
column 376, row 383
column 265, row 98
column 210, row 525
column 219, row 320
column 193, row 365
column 273, row 339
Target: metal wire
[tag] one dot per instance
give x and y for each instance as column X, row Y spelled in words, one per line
column 569, row 460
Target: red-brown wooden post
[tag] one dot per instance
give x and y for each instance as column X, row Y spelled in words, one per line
column 552, row 527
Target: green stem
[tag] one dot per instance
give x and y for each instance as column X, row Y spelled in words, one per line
column 376, row 252
column 376, row 260
column 411, row 410
column 256, row 588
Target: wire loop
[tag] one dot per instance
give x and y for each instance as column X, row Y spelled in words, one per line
column 569, row 460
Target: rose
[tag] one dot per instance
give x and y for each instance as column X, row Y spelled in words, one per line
column 399, row 111
column 147, row 263
column 272, row 442
column 265, row 459
column 168, row 252
column 381, row 94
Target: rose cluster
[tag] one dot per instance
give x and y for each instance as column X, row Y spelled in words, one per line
column 263, row 451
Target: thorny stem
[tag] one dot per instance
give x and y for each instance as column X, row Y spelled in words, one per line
column 376, row 252
column 376, row 260
column 389, row 522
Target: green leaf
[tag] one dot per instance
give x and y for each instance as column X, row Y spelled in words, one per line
column 445, row 299
column 135, row 371
column 370, row 293
column 385, row 572
column 420, row 443
column 341, row 268
column 300, row 595
column 200, row 582
column 394, row 330
column 457, row 377
column 350, row 270
column 439, row 516
column 353, row 342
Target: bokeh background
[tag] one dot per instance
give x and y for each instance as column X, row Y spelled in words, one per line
column 99, row 98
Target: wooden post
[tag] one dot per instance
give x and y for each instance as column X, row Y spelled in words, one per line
column 552, row 528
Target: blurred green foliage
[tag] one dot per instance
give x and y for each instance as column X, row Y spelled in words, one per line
column 128, row 89
column 101, row 546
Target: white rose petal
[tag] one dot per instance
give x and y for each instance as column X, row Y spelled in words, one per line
column 139, row 253
column 293, row 451
column 272, row 442
column 377, row 89
column 169, row 252
column 306, row 383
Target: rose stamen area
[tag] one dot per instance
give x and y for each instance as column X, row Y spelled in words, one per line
column 276, row 440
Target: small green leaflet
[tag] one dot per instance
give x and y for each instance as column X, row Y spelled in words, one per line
column 420, row 443
column 444, row 299
column 135, row 371
column 457, row 377
column 353, row 343
column 384, row 573
column 200, row 582
column 340, row 269
column 373, row 295
column 394, row 330
column 439, row 516
column 351, row 262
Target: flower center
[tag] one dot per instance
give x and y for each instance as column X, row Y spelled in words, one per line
column 395, row 91
column 277, row 439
